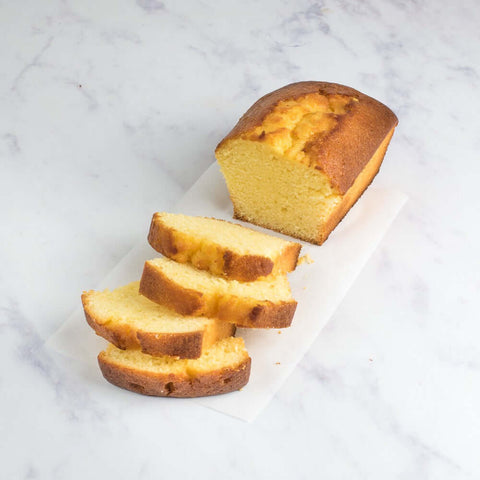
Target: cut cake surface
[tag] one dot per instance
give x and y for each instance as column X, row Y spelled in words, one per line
column 221, row 247
column 264, row 303
column 129, row 320
column 224, row 367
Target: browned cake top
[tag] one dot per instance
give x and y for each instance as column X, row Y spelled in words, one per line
column 326, row 126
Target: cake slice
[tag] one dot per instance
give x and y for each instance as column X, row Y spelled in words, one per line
column 302, row 155
column 129, row 320
column 222, row 368
column 264, row 303
column 222, row 248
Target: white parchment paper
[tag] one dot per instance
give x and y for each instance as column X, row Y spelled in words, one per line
column 319, row 288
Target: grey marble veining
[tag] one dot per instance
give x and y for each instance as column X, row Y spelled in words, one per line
column 110, row 111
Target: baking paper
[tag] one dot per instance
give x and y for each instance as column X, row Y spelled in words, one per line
column 318, row 287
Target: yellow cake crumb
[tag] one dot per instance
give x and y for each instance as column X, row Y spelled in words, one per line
column 305, row 259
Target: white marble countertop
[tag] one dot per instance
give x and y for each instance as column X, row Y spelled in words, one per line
column 110, row 111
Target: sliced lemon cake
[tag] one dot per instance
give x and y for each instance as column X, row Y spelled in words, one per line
column 266, row 303
column 222, row 368
column 129, row 320
column 302, row 155
column 221, row 247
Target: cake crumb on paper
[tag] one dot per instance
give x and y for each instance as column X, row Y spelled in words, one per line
column 305, row 259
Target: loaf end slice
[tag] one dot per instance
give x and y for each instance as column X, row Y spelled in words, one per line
column 221, row 247
column 129, row 320
column 222, row 368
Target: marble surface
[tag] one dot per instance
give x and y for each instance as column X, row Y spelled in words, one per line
column 111, row 110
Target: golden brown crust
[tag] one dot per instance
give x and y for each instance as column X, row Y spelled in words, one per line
column 244, row 312
column 257, row 314
column 218, row 259
column 246, row 268
column 181, row 345
column 160, row 289
column 170, row 385
column 161, row 237
column 356, row 190
column 121, row 336
column 289, row 260
column 343, row 152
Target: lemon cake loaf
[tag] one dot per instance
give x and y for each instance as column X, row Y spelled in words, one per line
column 302, row 155
column 266, row 303
column 222, row 248
column 129, row 320
column 222, row 368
